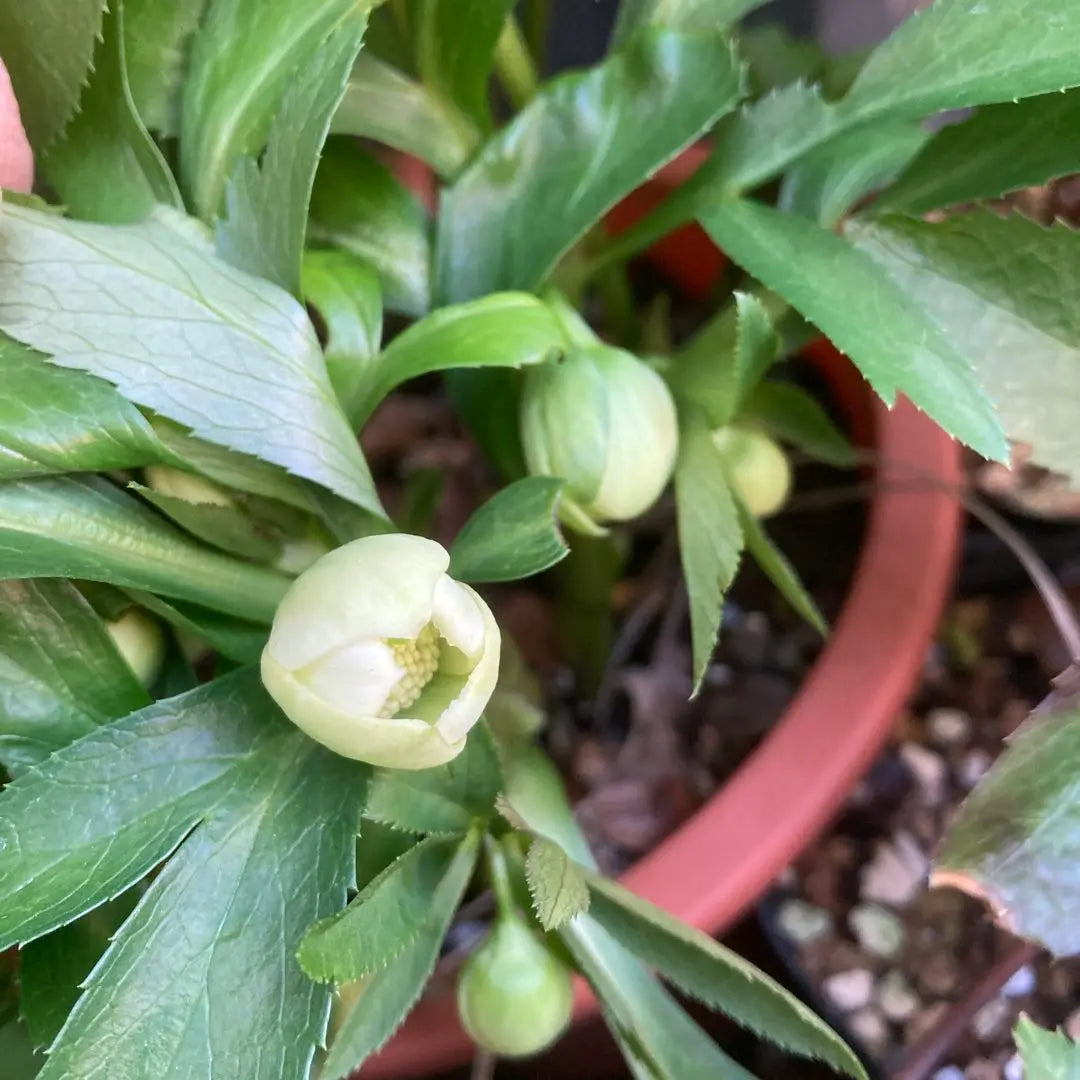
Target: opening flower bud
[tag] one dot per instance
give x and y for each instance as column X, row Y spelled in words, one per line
column 514, row 995
column 604, row 421
column 757, row 468
column 140, row 641
column 378, row 654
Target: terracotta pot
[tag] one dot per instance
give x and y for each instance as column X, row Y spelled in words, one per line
column 721, row 860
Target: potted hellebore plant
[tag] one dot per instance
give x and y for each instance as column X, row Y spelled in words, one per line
column 265, row 740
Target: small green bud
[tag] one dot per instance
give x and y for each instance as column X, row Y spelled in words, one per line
column 514, row 996
column 186, row 486
column 378, row 654
column 140, row 641
column 605, row 422
column 757, row 468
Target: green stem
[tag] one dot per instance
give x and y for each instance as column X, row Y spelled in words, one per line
column 537, row 17
column 614, row 285
column 500, row 878
column 515, row 66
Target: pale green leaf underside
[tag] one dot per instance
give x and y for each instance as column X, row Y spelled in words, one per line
column 556, row 883
column 1047, row 1055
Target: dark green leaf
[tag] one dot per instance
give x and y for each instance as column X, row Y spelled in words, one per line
column 383, row 104
column 105, row 167
column 585, row 141
column 202, row 980
column 791, row 414
column 710, row 538
column 60, row 674
column 382, row 921
column 53, row 968
column 860, row 308
column 266, row 198
column 1009, row 290
column 1016, row 839
column 455, row 45
column 445, row 800
column 47, row 47
column 826, row 183
column 234, row 638
column 391, row 993
column 1002, row 148
column 501, row 330
column 1047, row 1055
column 156, row 41
column 359, row 205
column 513, row 535
column 54, row 420
column 704, row 969
column 489, row 403
column 243, row 59
column 687, row 16
column 776, row 57
column 556, row 884
column 779, row 571
column 17, row 1052
column 86, row 528
column 101, row 812
column 345, row 292
column 133, row 305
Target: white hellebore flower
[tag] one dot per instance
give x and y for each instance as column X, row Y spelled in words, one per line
column 376, row 653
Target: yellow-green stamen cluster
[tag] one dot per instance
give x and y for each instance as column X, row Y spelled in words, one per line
column 420, row 660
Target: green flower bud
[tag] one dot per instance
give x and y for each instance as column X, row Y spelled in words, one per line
column 186, row 486
column 514, row 995
column 605, row 422
column 376, row 653
column 757, row 468
column 139, row 640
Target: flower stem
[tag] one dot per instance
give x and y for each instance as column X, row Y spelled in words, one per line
column 515, row 66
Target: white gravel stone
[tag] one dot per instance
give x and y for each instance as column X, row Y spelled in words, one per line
column 948, row 727
column 991, row 1019
column 869, row 1028
column 1014, row 1068
column 1021, row 982
column 896, row 997
column 850, row 990
column 929, row 770
column 896, row 873
column 973, row 767
column 950, row 1072
column 803, row 922
column 877, row 929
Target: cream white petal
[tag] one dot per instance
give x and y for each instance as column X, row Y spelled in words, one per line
column 457, row 616
column 357, row 678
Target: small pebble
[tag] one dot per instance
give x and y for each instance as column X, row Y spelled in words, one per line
column 869, row 1027
column 981, row 1069
column 896, row 997
column 877, row 929
column 1021, row 982
column 896, row 873
column 938, row 974
column 803, row 922
column 950, row 1072
column 850, row 990
column 929, row 770
column 948, row 727
column 1014, row 1068
column 974, row 765
column 991, row 1019
column 1071, row 1027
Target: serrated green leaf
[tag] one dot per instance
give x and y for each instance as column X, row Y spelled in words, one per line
column 515, row 534
column 60, row 674
column 710, row 538
column 704, row 969
column 776, row 57
column 1016, row 838
column 47, row 48
column 98, row 814
column 267, row 197
column 390, row 994
column 557, row 885
column 238, row 640
column 584, row 142
column 858, row 306
column 455, row 47
column 346, row 293
column 778, row 570
column 244, row 57
column 85, row 528
column 827, row 182
column 202, row 979
column 686, row 16
column 382, row 921
column 105, row 167
column 53, row 968
column 383, row 104
column 1002, row 148
column 792, row 415
column 1007, row 290
column 446, row 800
column 1047, row 1055
column 358, row 205
column 500, row 330
column 157, row 38
column 54, row 420
column 132, row 304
